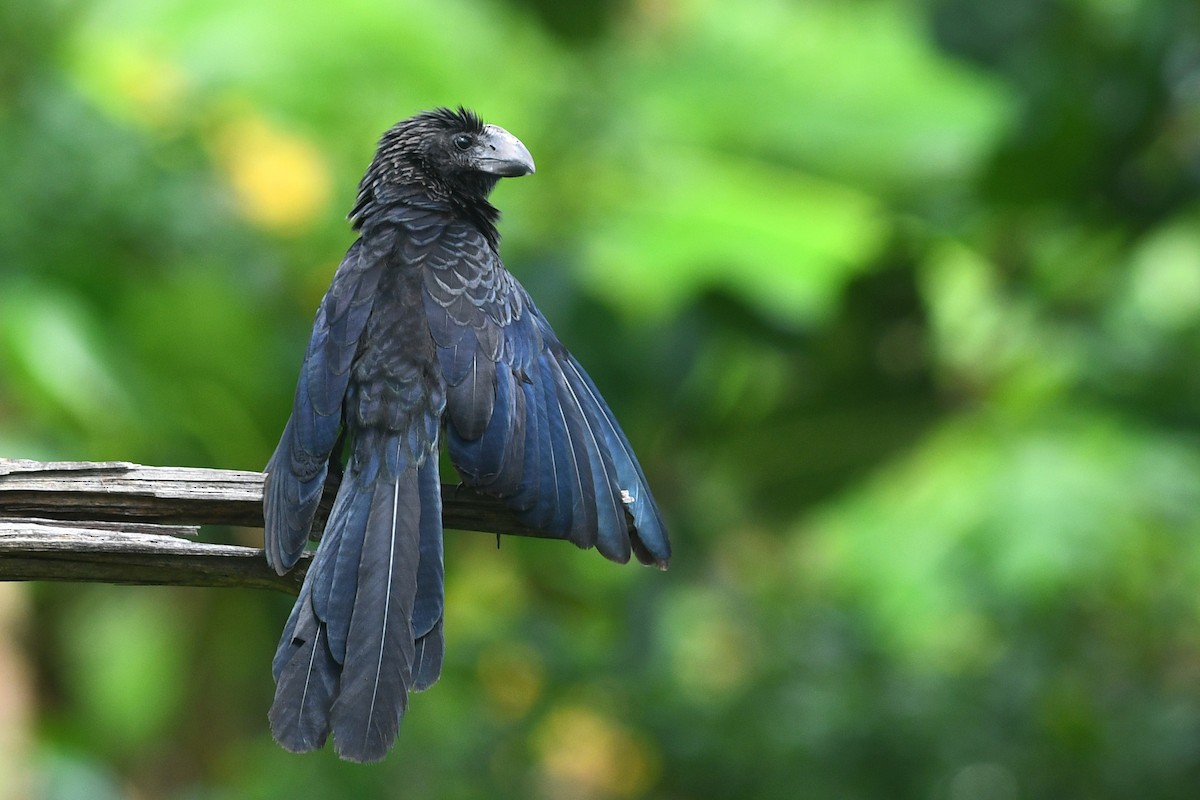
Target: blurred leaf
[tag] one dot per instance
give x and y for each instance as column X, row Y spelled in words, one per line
column 1165, row 276
column 66, row 776
column 993, row 515
column 50, row 340
column 128, row 665
column 849, row 90
column 784, row 241
column 352, row 69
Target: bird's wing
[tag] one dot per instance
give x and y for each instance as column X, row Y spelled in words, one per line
column 524, row 421
column 296, row 472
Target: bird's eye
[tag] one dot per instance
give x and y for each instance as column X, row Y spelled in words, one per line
column 462, row 141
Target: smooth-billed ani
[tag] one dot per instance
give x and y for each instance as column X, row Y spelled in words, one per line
column 424, row 336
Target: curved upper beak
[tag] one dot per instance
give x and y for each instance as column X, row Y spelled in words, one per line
column 501, row 153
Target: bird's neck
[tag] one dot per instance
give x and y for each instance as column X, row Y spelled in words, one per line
column 386, row 202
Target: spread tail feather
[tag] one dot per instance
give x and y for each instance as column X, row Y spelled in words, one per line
column 361, row 634
column 306, row 679
column 379, row 644
column 430, row 601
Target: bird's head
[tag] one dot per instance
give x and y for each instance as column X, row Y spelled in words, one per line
column 447, row 155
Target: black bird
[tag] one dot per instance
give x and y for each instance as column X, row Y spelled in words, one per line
column 424, row 334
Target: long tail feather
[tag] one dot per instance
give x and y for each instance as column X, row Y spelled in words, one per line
column 430, row 599
column 335, row 585
column 430, row 649
column 306, row 680
column 430, row 646
column 380, row 643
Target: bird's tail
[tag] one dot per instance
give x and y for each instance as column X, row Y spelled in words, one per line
column 367, row 625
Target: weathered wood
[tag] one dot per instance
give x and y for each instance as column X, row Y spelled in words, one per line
column 118, row 522
column 179, row 531
column 54, row 550
column 119, row 491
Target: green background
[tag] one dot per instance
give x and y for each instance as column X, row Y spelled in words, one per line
column 898, row 301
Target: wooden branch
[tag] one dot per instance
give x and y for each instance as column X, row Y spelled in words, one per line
column 52, row 550
column 127, row 520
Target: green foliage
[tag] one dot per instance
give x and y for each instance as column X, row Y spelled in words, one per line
column 899, row 303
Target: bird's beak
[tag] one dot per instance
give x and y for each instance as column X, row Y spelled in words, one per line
column 501, row 153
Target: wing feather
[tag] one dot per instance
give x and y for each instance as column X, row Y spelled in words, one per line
column 524, row 421
column 297, row 470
